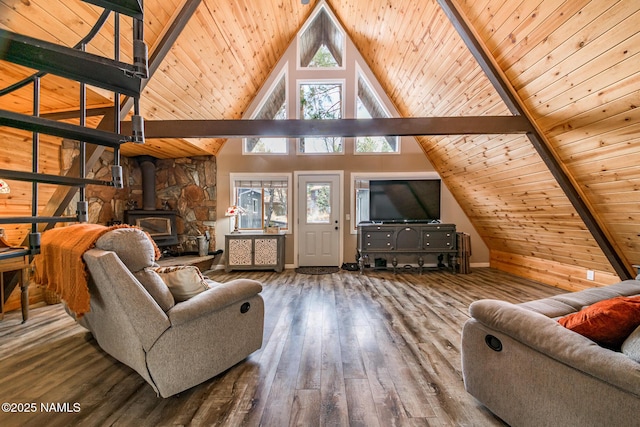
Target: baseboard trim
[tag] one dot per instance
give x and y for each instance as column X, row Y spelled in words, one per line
column 480, row 265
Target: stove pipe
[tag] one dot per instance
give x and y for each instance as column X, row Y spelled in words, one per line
column 148, row 168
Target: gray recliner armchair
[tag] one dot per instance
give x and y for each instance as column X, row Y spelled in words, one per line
column 172, row 345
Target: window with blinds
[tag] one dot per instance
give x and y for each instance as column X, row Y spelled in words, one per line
column 265, row 201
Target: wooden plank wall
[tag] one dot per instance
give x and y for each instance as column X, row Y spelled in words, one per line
column 17, row 156
column 573, row 65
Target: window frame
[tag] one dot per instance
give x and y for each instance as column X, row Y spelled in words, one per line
column 275, row 176
column 342, row 82
column 283, row 74
column 360, row 74
column 308, row 23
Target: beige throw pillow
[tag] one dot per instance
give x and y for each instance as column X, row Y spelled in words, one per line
column 184, row 281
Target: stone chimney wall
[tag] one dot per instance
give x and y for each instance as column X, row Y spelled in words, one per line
column 186, row 185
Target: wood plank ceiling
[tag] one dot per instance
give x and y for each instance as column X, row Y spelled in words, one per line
column 573, row 63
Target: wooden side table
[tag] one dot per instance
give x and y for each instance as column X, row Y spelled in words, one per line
column 17, row 265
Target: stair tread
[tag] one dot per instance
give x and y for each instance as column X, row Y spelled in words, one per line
column 61, row 129
column 70, row 63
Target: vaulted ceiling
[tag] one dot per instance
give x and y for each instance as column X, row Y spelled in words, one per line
column 573, row 64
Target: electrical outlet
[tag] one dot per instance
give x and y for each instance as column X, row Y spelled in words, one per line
column 591, row 275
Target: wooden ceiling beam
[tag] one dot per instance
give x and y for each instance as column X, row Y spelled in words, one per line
column 538, row 140
column 411, row 126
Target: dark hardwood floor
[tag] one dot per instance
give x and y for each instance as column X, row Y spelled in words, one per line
column 339, row 350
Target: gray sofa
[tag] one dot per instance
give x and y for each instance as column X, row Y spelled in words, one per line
column 172, row 345
column 520, row 363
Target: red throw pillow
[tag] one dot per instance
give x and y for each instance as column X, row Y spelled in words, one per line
column 608, row 322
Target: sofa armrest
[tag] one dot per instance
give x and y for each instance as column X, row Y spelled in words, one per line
column 216, row 298
column 547, row 336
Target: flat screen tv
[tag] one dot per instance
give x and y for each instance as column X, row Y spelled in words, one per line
column 404, row 200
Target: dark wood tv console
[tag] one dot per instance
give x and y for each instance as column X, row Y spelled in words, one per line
column 411, row 241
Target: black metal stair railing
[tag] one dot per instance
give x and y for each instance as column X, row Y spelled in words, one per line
column 75, row 64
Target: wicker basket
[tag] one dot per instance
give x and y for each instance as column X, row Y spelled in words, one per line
column 50, row 297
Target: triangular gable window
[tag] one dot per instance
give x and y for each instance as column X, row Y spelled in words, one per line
column 273, row 108
column 314, row 81
column 322, row 43
column 369, row 106
column 323, row 59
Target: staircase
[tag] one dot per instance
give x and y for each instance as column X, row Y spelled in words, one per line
column 76, row 64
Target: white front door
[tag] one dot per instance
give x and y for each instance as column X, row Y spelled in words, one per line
column 319, row 231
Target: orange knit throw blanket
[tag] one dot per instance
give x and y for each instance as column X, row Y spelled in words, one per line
column 59, row 266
